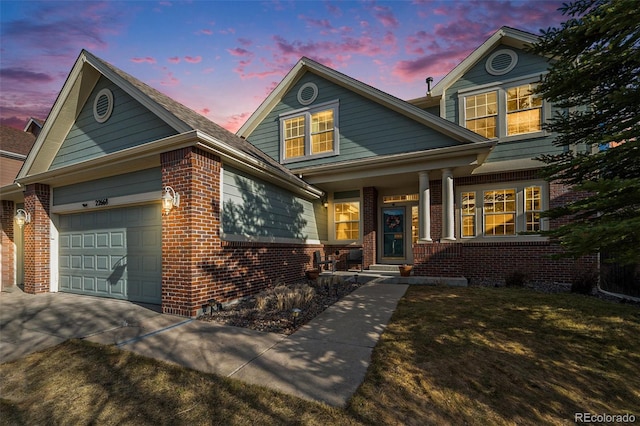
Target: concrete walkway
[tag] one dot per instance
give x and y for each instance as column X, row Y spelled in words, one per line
column 325, row 360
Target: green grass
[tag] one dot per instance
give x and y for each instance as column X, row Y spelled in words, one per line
column 448, row 356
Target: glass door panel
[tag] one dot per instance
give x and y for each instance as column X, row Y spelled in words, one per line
column 393, row 232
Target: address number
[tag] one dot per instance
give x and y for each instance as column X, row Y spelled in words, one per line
column 102, row 202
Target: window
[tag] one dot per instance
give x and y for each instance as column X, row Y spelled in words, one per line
column 501, row 212
column 504, row 112
column 532, row 207
column 524, row 110
column 468, row 210
column 347, row 220
column 310, row 133
column 481, row 112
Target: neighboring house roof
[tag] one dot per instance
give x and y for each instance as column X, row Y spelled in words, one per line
column 185, row 121
column 305, row 65
column 14, row 141
column 34, row 126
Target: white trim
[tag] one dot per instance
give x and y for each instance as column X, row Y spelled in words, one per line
column 332, row 223
column 501, row 98
column 307, row 113
column 313, row 97
column 304, row 65
column 520, row 218
column 125, row 200
column 489, row 62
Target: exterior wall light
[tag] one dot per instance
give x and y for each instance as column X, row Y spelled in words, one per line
column 22, row 217
column 170, row 199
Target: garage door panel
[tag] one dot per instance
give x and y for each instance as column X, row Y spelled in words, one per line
column 114, row 253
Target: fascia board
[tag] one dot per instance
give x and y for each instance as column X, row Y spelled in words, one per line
column 173, row 121
column 446, row 127
column 66, row 90
column 511, row 36
column 110, row 164
column 272, row 100
column 481, row 148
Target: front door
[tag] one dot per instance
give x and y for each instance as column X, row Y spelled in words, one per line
column 393, row 233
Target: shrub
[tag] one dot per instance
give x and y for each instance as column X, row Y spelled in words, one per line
column 285, row 298
column 583, row 282
column 515, row 279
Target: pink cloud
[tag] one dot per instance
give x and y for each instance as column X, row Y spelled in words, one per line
column 204, row 111
column 245, row 42
column 193, row 59
column 316, row 23
column 26, row 76
column 238, row 51
column 206, row 32
column 234, row 122
column 174, row 60
column 385, row 16
column 169, row 79
column 146, row 59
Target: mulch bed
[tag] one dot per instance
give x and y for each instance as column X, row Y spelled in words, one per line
column 244, row 313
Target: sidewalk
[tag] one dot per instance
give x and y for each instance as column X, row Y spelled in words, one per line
column 325, row 360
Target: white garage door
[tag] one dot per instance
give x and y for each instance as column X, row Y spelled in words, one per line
column 113, row 253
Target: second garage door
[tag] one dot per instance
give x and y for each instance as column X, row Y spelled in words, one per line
column 113, row 253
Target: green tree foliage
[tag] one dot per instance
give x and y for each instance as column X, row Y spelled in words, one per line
column 593, row 80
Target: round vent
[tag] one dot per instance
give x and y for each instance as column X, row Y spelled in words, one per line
column 103, row 105
column 307, row 93
column 501, row 62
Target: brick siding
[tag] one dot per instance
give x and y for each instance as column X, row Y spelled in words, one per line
column 37, row 239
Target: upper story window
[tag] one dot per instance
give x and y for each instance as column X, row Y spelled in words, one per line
column 310, row 133
column 510, row 111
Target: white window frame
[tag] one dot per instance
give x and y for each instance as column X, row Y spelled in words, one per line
column 307, row 113
column 519, row 187
column 501, row 88
column 332, row 220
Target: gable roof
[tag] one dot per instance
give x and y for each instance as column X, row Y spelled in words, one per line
column 86, row 72
column 305, row 65
column 14, row 141
column 505, row 35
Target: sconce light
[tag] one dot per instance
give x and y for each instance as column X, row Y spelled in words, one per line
column 170, row 199
column 22, row 217
column 325, row 201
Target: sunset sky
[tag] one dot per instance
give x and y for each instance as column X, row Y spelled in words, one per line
column 222, row 58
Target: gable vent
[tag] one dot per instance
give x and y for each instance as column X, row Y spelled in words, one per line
column 501, row 62
column 307, row 93
column 103, row 105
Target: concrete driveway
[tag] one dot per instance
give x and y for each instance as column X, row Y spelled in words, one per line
column 325, row 360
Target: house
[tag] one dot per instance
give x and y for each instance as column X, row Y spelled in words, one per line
column 14, row 147
column 129, row 194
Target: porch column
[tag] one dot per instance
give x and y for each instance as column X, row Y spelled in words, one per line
column 369, row 225
column 424, row 209
column 448, row 228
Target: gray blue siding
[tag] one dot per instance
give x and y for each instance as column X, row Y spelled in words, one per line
column 115, row 186
column 130, row 124
column 253, row 208
column 366, row 128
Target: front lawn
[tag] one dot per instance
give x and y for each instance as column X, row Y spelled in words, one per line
column 448, row 356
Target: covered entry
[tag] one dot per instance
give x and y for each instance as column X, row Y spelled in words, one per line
column 112, row 253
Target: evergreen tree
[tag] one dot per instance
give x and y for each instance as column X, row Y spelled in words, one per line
column 593, row 80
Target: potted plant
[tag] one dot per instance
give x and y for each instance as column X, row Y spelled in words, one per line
column 312, row 274
column 405, row 270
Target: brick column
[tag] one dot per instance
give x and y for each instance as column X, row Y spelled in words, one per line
column 37, row 239
column 369, row 225
column 191, row 246
column 7, row 211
